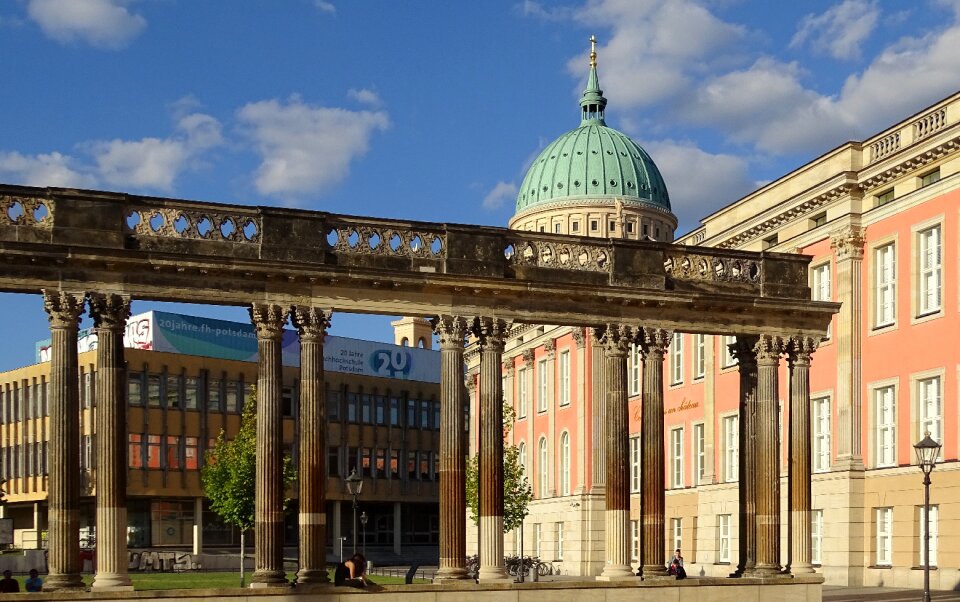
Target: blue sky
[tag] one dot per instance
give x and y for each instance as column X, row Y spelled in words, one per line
column 432, row 110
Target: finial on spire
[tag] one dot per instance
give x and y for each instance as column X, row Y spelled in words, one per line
column 593, row 51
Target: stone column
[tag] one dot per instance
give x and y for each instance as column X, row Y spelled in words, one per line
column 743, row 351
column 453, row 493
column 492, row 333
column 848, row 246
column 616, row 339
column 268, row 321
column 198, row 526
column 63, row 488
column 312, row 324
column 799, row 355
column 110, row 313
column 653, row 344
column 767, row 456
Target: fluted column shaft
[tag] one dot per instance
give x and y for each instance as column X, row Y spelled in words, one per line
column 848, row 245
column 744, row 351
column 799, row 356
column 767, row 456
column 110, row 313
column 63, row 488
column 616, row 339
column 312, row 324
column 491, row 333
column 653, row 344
column 268, row 321
column 453, row 497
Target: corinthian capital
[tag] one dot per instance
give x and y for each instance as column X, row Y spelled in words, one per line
column 108, row 310
column 492, row 332
column 268, row 320
column 769, row 348
column 452, row 331
column 63, row 309
column 654, row 341
column 800, row 350
column 311, row 323
column 848, row 242
column 614, row 338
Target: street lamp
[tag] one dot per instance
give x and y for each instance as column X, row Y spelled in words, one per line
column 927, row 452
column 354, row 486
column 363, row 525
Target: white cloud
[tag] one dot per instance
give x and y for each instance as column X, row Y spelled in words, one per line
column 530, row 8
column 326, row 7
column 52, row 169
column 501, row 193
column 365, row 96
column 698, row 181
column 306, row 149
column 101, row 23
column 840, row 30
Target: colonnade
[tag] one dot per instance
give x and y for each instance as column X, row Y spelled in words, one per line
column 759, row 358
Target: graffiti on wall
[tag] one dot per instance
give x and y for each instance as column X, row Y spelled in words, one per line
column 161, row 561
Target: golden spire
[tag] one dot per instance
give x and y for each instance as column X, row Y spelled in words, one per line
column 593, row 51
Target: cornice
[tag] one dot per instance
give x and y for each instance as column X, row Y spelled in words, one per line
column 911, row 163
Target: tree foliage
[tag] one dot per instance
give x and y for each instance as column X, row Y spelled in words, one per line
column 517, row 492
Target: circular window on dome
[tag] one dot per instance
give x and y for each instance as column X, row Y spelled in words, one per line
column 623, row 154
column 553, row 156
column 565, row 154
column 595, row 183
column 579, row 152
column 609, row 152
column 545, row 189
column 613, row 182
column 593, row 152
column 629, row 184
column 559, row 184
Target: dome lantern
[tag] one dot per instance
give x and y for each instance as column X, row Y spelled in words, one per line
column 592, row 103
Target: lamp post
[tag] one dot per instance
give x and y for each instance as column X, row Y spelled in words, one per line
column 363, row 532
column 354, row 486
column 927, row 451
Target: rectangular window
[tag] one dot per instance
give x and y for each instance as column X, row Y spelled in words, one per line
column 885, row 272
column 934, row 533
column 885, row 197
column 929, row 178
column 886, row 420
column 424, row 414
column 523, row 377
column 636, row 369
column 635, row 464
column 818, row 220
column 931, row 408
column 542, row 386
column 394, row 464
column 770, row 242
column 134, row 450
column 676, row 457
column 676, row 359
column 173, row 391
column 411, row 466
column 613, row 226
column 153, row 451
column 232, row 395
column 930, row 271
column 411, row 413
column 575, row 226
column 593, row 225
column 537, row 539
column 634, row 540
column 816, row 536
column 699, row 454
column 556, row 228
column 173, row 452
column 731, row 448
column 394, row 411
column 884, row 529
column 723, row 538
column 676, row 531
column 820, row 285
column 379, row 410
column 191, row 398
column 559, row 541
column 565, row 378
column 135, row 389
column 153, row 390
column 699, row 356
column 190, row 455
column 333, row 461
column 381, row 464
column 436, row 414
column 728, row 359
column 213, row 395
column 821, row 434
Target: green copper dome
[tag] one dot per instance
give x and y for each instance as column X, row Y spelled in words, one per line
column 593, row 162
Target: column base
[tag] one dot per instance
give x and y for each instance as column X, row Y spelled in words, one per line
column 451, row 574
column 494, row 574
column 111, row 582
column 265, row 578
column 654, row 572
column 60, row 582
column 765, row 572
column 312, row 577
column 800, row 569
column 617, row 572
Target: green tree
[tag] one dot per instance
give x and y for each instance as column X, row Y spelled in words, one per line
column 229, row 475
column 517, row 492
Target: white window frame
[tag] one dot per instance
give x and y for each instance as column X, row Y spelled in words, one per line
column 699, row 356
column 543, row 457
column 635, row 464
column 723, row 538
column 699, row 453
column 728, row 360
column 537, row 539
column 821, row 287
column 522, row 455
column 816, row 536
column 676, row 359
column 636, row 369
column 523, row 383
column 731, row 448
column 565, row 463
column 676, row 530
column 884, row 528
column 542, row 382
column 885, row 285
column 821, row 419
column 559, row 530
column 676, row 457
column 929, row 270
column 565, row 378
column 634, row 540
column 885, row 413
column 934, row 534
column 930, row 407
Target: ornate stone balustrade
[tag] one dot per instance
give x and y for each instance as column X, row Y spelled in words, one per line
column 930, row 123
column 26, row 211
column 885, row 146
column 712, row 267
column 191, row 223
column 580, row 255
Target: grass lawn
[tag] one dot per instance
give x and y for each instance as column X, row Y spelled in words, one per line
column 207, row 579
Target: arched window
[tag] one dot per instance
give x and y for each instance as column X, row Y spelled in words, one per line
column 565, row 463
column 544, row 464
column 420, row 343
column 404, row 342
column 522, row 456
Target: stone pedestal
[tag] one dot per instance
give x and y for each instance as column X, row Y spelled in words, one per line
column 615, row 340
column 491, row 333
column 110, row 313
column 800, row 351
column 312, row 324
column 268, row 321
column 653, row 344
column 745, row 353
column 63, row 488
column 453, row 445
